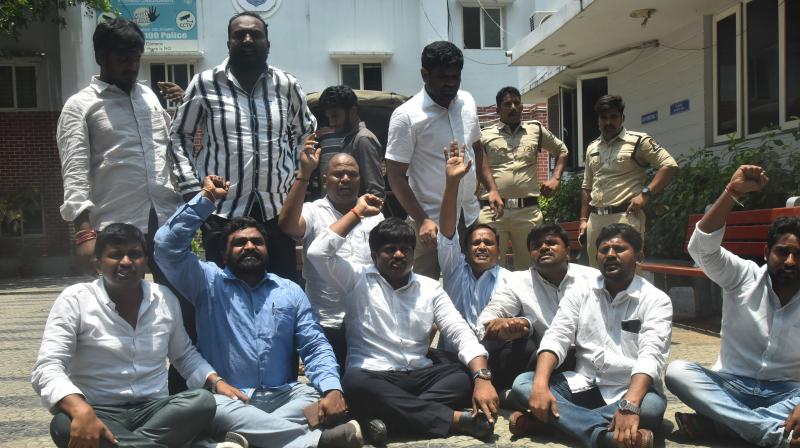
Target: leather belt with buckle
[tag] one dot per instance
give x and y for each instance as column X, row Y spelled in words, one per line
column 516, row 202
column 609, row 210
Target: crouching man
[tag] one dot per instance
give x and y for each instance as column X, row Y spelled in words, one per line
column 621, row 327
column 753, row 390
column 102, row 364
column 390, row 311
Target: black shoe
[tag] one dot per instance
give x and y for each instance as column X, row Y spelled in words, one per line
column 346, row 435
column 376, row 433
column 476, row 426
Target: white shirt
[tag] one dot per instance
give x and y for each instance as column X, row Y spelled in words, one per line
column 387, row 328
column 89, row 349
column 606, row 355
column 419, row 130
column 326, row 302
column 114, row 161
column 469, row 294
column 759, row 337
column 528, row 294
column 251, row 138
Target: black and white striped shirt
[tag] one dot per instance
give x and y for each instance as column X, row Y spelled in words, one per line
column 251, row 140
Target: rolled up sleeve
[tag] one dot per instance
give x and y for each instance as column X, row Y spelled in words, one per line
column 560, row 336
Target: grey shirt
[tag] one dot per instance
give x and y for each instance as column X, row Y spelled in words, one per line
column 368, row 152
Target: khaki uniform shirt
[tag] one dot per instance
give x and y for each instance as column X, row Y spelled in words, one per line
column 617, row 170
column 512, row 156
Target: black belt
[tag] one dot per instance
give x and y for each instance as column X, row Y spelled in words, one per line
column 610, row 210
column 516, row 202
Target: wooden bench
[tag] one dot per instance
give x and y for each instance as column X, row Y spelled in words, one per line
column 745, row 236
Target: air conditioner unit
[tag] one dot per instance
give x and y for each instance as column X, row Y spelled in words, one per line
column 538, row 18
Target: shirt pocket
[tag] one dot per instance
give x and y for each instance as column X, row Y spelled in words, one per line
column 420, row 321
column 528, row 146
column 283, row 322
column 155, row 341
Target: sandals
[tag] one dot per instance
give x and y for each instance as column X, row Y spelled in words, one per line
column 694, row 426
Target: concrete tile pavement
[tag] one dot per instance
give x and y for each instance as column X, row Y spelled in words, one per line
column 25, row 423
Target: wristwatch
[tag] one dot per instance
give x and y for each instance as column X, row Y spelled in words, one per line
column 484, row 374
column 646, row 192
column 625, row 405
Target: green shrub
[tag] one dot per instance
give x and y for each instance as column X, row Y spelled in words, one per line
column 565, row 204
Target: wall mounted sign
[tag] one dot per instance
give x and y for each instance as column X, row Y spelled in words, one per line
column 264, row 8
column 680, row 106
column 169, row 26
column 650, row 117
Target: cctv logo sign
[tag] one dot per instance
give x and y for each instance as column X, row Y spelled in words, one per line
column 169, row 26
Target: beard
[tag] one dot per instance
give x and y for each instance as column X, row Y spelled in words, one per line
column 241, row 58
column 247, row 263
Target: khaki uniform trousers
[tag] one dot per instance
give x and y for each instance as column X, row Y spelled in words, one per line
column 514, row 225
column 596, row 224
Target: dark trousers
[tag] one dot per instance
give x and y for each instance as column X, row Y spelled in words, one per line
column 173, row 421
column 419, row 402
column 280, row 247
column 336, row 337
column 507, row 359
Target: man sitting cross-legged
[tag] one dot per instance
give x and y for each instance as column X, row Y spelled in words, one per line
column 523, row 307
column 753, row 390
column 102, row 365
column 307, row 220
column 390, row 311
column 249, row 324
column 621, row 327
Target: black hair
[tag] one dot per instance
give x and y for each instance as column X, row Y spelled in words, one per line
column 441, row 54
column 247, row 14
column 505, row 91
column 338, row 97
column 607, row 102
column 627, row 232
column 117, row 35
column 540, row 231
column 474, row 228
column 391, row 231
column 781, row 226
column 239, row 223
column 117, row 234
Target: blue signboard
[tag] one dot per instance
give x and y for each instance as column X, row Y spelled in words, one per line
column 169, row 26
column 680, row 106
column 649, row 117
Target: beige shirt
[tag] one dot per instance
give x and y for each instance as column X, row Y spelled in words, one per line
column 617, row 170
column 512, row 156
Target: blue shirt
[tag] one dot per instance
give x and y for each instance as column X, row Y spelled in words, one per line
column 469, row 294
column 247, row 334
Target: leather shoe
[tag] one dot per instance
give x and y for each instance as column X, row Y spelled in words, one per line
column 477, row 426
column 376, row 433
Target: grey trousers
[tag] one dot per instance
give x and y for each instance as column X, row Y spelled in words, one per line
column 274, row 418
column 173, row 421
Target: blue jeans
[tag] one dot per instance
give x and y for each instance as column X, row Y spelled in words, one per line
column 273, row 418
column 753, row 409
column 585, row 415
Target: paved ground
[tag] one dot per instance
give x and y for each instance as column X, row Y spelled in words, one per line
column 25, row 305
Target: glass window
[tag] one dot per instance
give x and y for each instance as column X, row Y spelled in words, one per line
column 792, row 59
column 472, row 28
column 6, row 86
column 373, row 77
column 351, row 75
column 26, row 87
column 762, row 65
column 492, row 30
column 726, row 76
column 180, row 74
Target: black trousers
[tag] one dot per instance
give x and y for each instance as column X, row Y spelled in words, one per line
column 419, row 402
column 337, row 338
column 167, row 422
column 280, row 247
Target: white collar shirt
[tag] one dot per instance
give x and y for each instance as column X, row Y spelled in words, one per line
column 89, row 349
column 528, row 294
column 615, row 338
column 759, row 336
column 252, row 138
column 328, row 306
column 387, row 328
column 114, row 162
column 419, row 130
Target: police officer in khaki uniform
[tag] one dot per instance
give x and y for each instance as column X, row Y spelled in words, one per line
column 614, row 183
column 511, row 149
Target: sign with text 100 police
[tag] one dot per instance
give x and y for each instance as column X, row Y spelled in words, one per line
column 169, row 26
